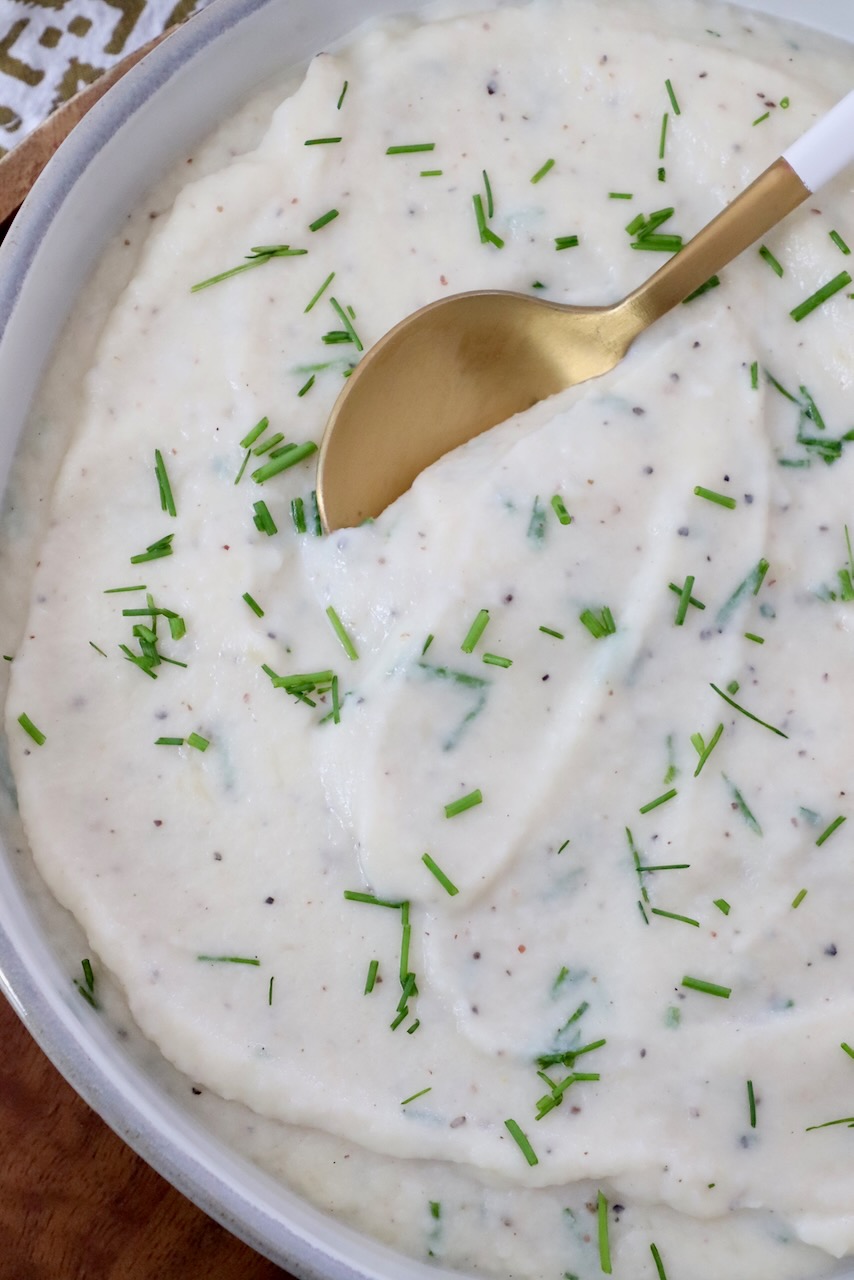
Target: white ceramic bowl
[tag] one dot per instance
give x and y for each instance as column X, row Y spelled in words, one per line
column 161, row 109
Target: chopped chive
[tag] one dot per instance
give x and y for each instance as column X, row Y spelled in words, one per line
column 323, row 220
column 427, row 644
column 653, row 804
column 659, row 1265
column 662, row 175
column 839, row 242
column 558, row 635
column 254, row 961
column 168, row 742
column 411, row 1030
column 677, row 111
column 27, row 725
column 475, row 631
column 437, row 871
column 560, row 510
column 167, row 502
column 711, row 283
column 353, row 895
column 759, row 119
column 319, row 142
column 741, row 804
column 114, row 591
column 267, row 445
column 431, row 173
column 704, row 750
column 370, row 981
column 306, row 386
column 270, row 989
column 604, row 1242
column 821, row 295
column 196, row 740
column 317, row 527
column 490, row 203
column 493, row 660
column 749, row 635
column 155, row 551
column 542, row 171
column 684, row 601
column 720, row 498
column 828, row 1124
column 600, row 626
column 88, row 975
column 521, row 1141
column 298, row 514
column 295, row 454
column 828, row 832
column 253, row 605
column 620, row 195
column 658, row 243
column 410, row 148
column 798, row 898
column 264, row 522
column 751, row 1104
column 465, row 802
column 347, row 323
column 672, row 915
column 327, row 282
column 696, row 604
column 256, row 431
column 754, row 375
column 247, row 455
column 336, row 704
column 338, row 627
column 538, row 284
column 847, row 1049
column 722, row 905
column 662, row 141
column 708, row 988
column 749, row 714
column 566, row 242
column 767, row 255
column 487, row 235
column 92, row 642
column 343, row 94
column 256, row 257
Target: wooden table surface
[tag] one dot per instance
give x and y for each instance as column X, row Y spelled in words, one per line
column 77, row 1204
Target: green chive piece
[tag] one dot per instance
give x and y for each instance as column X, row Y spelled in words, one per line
column 828, row 1124
column 798, row 898
column 167, row 502
column 671, row 915
column 566, row 242
column 437, row 871
column 267, row 445
column 465, row 802
column 759, row 119
column 196, row 740
column 475, row 631
column 256, row 431
column 708, row 988
column 487, row 235
column 270, row 990
column 659, row 1265
column 600, row 626
column 353, row 895
column 256, row 257
column 27, row 725
column 558, row 635
column 168, row 742
column 677, row 111
column 604, row 1241
column 741, row 804
column 92, row 642
column 410, row 148
column 821, row 295
column 494, row 660
column 296, row 453
column 749, row 635
column 839, row 242
column 253, row 605
column 560, row 510
column 828, row 831
column 323, row 220
column 370, row 981
column 723, row 905
column 542, row 171
column 298, row 514
column 704, row 750
column 720, row 498
column 317, row 527
column 749, row 714
column 684, row 601
column 751, row 1104
column 264, row 522
column 431, row 173
column 247, row 455
column 435, row 1209
column 338, row 627
column 767, row 255
column 695, row 604
column 155, row 551
column 254, row 961
column 327, row 282
column 537, row 523
column 114, row 591
column 521, row 1142
column 754, row 375
column 490, row 203
column 662, row 141
column 88, row 975
column 343, row 94
column 711, row 283
column 427, row 644
column 847, row 1049
column 336, row 703
column 653, row 804
column 347, row 323
column 662, row 176
column 620, row 195
column 319, row 142
column 306, row 387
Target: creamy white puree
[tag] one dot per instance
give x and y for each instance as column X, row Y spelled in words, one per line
column 165, row 854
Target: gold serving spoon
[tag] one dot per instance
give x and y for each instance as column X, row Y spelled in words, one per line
column 465, row 363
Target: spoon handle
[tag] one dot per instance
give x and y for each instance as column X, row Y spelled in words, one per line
column 810, row 162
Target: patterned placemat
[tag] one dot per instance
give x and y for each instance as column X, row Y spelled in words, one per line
column 51, row 48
